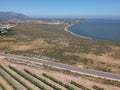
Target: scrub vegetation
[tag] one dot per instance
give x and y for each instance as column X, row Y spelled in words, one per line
column 51, row 42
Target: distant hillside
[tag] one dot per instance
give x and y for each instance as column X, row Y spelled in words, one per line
column 12, row 15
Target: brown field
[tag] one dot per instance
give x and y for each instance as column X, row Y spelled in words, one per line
column 53, row 43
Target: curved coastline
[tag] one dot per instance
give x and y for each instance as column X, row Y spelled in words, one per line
column 67, row 30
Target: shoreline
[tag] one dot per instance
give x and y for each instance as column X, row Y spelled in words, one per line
column 67, row 30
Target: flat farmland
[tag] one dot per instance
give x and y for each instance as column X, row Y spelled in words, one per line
column 20, row 76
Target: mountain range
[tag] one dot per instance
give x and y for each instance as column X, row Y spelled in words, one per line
column 12, row 15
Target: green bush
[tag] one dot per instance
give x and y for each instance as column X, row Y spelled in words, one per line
column 79, row 85
column 28, row 78
column 97, row 87
column 59, row 82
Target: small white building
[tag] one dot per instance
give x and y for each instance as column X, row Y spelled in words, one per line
column 1, row 30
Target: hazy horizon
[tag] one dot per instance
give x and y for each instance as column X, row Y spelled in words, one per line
column 64, row 8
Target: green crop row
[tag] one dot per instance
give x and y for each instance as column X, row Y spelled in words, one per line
column 79, row 85
column 97, row 87
column 57, row 81
column 28, row 78
column 8, row 81
column 16, row 78
column 43, row 80
column 3, row 87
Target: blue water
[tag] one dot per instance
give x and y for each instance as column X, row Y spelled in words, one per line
column 98, row 29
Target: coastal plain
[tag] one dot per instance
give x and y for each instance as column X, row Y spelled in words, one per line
column 52, row 42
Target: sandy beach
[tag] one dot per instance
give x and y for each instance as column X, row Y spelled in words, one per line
column 67, row 30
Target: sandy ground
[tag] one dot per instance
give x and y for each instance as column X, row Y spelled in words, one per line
column 61, row 76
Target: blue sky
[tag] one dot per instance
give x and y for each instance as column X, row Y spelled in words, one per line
column 61, row 8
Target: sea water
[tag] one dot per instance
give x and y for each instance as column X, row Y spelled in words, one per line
column 98, row 29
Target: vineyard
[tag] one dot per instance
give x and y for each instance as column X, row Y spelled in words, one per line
column 42, row 82
column 22, row 77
